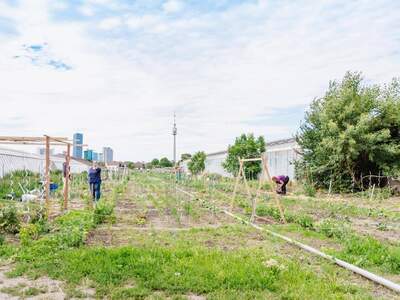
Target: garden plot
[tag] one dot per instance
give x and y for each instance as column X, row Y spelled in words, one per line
column 145, row 219
column 152, row 245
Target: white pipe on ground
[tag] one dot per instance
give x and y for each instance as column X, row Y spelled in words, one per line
column 371, row 276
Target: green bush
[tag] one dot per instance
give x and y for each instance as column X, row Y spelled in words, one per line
column 9, row 219
column 104, row 212
column 28, row 233
column 304, row 221
column 245, row 146
column 351, row 130
column 309, row 189
column 333, row 229
column 197, row 163
column 263, row 210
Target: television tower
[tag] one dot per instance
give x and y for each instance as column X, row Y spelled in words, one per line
column 174, row 133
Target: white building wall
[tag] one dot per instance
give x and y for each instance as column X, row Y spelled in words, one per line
column 13, row 160
column 280, row 156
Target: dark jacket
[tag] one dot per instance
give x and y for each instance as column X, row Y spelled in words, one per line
column 94, row 175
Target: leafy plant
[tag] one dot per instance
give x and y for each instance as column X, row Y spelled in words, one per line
column 353, row 130
column 9, row 219
column 333, row 229
column 245, row 146
column 197, row 163
column 165, row 163
column 103, row 213
column 309, row 189
column 28, row 233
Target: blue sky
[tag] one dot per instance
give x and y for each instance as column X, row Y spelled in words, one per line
column 117, row 70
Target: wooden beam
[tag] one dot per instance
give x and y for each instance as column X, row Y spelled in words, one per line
column 30, row 143
column 67, row 174
column 251, row 159
column 29, row 139
column 47, row 175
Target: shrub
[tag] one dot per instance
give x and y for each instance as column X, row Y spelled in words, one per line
column 9, row 219
column 304, row 221
column 333, row 229
column 197, row 163
column 28, row 233
column 352, row 130
column 245, row 146
column 103, row 213
column 309, row 189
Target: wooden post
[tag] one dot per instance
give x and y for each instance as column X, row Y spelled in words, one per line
column 47, row 175
column 67, row 174
column 237, row 181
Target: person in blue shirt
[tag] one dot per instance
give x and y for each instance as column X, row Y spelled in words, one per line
column 94, row 177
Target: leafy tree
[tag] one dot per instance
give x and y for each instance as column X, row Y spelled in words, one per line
column 353, row 130
column 165, row 163
column 155, row 162
column 245, row 146
column 131, row 165
column 186, row 156
column 197, row 163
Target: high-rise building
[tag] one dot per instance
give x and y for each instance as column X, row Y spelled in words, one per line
column 95, row 156
column 108, row 154
column 77, row 150
column 88, row 155
column 101, row 157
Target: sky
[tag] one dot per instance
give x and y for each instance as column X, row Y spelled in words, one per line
column 118, row 70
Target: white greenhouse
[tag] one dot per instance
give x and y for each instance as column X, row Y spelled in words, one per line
column 14, row 160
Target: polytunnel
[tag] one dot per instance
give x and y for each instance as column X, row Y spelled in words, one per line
column 14, row 160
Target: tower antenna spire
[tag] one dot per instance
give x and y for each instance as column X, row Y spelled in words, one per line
column 174, row 133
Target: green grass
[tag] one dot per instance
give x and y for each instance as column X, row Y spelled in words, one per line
column 188, row 270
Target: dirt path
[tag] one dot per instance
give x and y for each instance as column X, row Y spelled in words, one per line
column 24, row 288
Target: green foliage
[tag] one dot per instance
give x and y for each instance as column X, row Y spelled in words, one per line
column 9, row 184
column 155, row 162
column 165, row 163
column 186, row 156
column 197, row 163
column 9, row 219
column 28, row 233
column 353, row 130
column 245, row 146
column 103, row 213
column 333, row 229
column 367, row 251
column 309, row 189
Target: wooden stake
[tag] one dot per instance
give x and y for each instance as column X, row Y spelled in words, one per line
column 67, row 174
column 237, row 181
column 47, row 175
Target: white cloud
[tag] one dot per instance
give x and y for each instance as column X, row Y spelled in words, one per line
column 218, row 70
column 173, row 6
column 87, row 10
column 110, row 23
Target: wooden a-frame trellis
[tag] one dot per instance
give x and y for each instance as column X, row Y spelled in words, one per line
column 265, row 177
column 47, row 141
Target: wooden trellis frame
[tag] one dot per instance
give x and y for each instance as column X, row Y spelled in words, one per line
column 47, row 141
column 265, row 176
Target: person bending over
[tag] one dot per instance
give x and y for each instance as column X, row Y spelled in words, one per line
column 95, row 182
column 281, row 182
